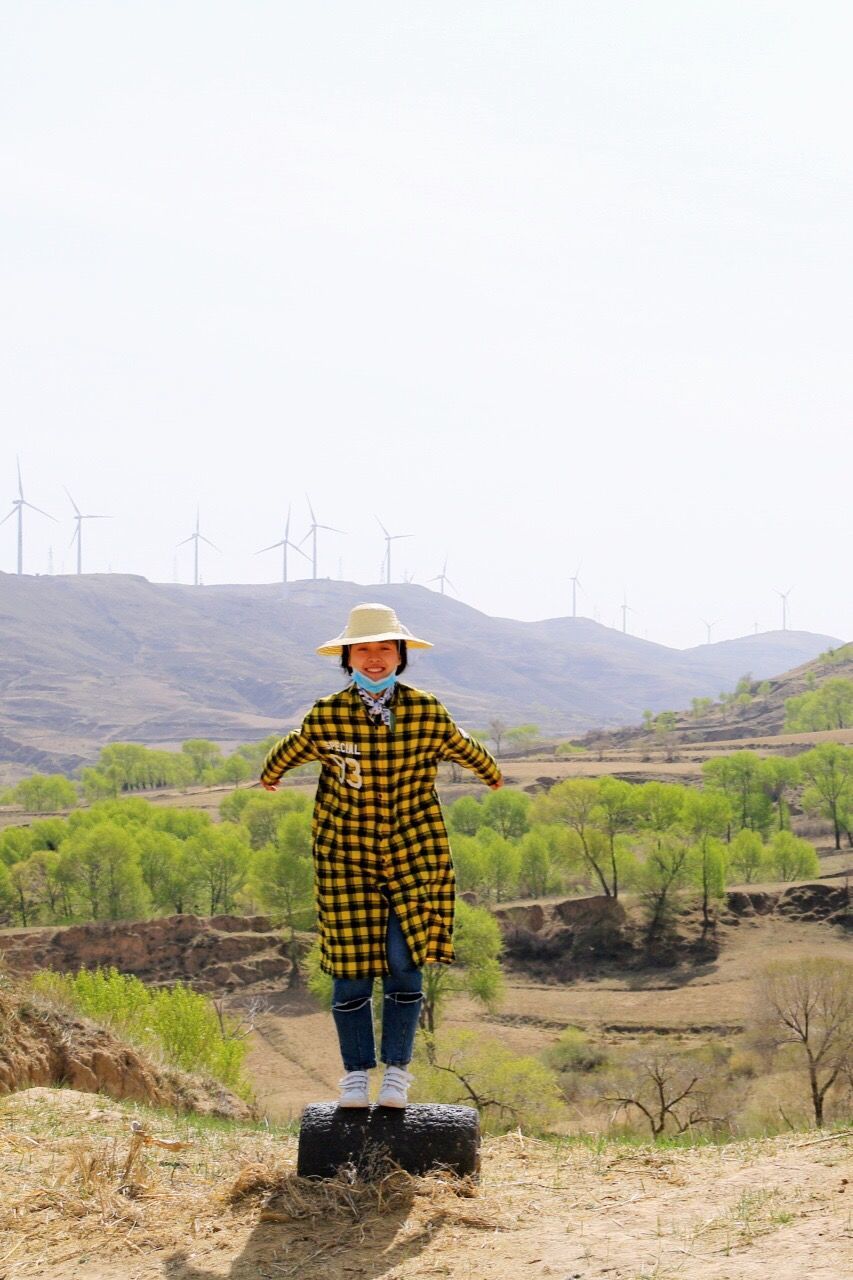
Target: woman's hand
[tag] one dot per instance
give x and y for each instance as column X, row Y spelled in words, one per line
column 496, row 786
column 269, row 786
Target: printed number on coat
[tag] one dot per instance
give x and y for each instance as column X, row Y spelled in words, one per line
column 350, row 770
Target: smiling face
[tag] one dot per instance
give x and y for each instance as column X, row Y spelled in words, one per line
column 376, row 659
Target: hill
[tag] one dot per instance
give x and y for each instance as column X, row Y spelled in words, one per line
column 760, row 714
column 100, row 658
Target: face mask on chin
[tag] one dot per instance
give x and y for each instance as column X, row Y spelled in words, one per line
column 373, row 686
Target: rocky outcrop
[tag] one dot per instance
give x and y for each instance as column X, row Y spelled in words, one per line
column 42, row 1045
column 216, row 953
column 565, row 937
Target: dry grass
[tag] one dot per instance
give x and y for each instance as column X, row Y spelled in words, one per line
column 86, row 1191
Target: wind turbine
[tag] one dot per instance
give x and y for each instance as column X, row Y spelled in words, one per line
column 710, row 626
column 442, row 578
column 575, row 581
column 784, row 597
column 78, row 532
column 18, row 505
column 389, row 538
column 312, row 533
column 196, row 538
column 284, row 544
column 626, row 609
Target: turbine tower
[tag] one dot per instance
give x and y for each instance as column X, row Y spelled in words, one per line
column 626, row 609
column 389, row 538
column 18, row 505
column 284, row 544
column 442, row 578
column 575, row 581
column 710, row 626
column 78, row 532
column 784, row 597
column 196, row 538
column 312, row 534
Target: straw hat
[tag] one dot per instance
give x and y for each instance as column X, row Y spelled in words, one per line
column 371, row 622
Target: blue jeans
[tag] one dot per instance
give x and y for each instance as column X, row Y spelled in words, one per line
column 352, row 1009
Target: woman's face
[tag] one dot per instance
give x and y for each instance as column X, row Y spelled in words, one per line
column 376, row 660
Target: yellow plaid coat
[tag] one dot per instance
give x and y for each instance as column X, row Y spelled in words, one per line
column 378, row 832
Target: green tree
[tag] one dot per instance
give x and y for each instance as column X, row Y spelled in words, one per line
column 778, row 775
column 828, row 771
column 501, row 864
column 829, row 707
column 738, row 777
column 235, row 769
column 7, row 892
column 792, row 858
column 469, row 863
column 102, row 862
column 507, row 812
column 282, row 876
column 203, row 756
column 659, row 806
column 522, row 737
column 535, row 872
column 700, row 707
column 706, row 816
column 26, row 883
column 45, row 793
column 615, row 812
column 477, row 941
column 15, row 843
column 465, row 815
column 665, row 870
column 223, row 860
column 747, row 856
column 574, row 804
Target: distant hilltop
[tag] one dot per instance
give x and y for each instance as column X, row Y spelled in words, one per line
column 112, row 657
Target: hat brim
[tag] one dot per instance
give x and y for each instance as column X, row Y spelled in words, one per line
column 334, row 648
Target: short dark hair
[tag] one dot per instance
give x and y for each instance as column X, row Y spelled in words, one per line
column 402, row 649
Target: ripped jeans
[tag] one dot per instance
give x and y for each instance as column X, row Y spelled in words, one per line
column 352, row 1009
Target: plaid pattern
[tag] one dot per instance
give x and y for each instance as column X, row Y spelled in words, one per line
column 378, row 832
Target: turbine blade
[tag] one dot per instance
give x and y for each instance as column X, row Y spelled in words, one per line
column 9, row 516
column 310, row 508
column 382, row 527
column 395, row 536
column 20, row 481
column 330, row 528
column 39, row 510
column 75, row 535
column 294, row 547
column 71, row 500
column 202, row 538
column 272, row 547
column 186, row 540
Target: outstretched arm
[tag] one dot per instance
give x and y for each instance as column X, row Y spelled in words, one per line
column 471, row 754
column 294, row 749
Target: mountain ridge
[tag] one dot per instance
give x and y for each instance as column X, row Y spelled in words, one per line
column 114, row 657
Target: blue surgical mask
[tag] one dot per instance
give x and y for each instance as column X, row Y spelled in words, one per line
column 374, row 686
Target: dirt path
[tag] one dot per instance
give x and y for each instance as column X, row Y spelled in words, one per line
column 778, row 1208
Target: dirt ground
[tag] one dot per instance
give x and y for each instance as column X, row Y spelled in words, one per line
column 71, row 1210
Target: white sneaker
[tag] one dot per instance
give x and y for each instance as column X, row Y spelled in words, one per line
column 395, row 1088
column 354, row 1090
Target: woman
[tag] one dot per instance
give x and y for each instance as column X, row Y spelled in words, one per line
column 383, row 875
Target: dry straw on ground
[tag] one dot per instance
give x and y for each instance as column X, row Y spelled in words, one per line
column 85, row 1194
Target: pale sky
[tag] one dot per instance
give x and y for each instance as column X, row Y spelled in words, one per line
column 542, row 284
